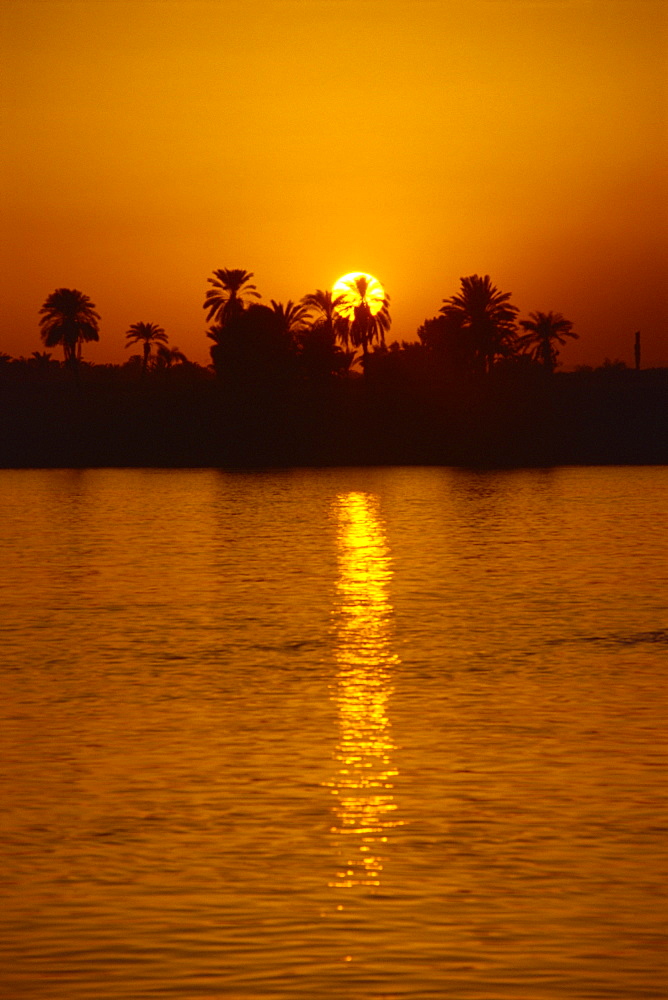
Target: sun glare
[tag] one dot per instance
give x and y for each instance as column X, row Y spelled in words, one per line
column 356, row 287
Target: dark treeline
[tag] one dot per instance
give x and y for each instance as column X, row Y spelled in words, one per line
column 304, row 384
column 406, row 411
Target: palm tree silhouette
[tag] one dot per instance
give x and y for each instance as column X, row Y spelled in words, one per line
column 544, row 332
column 166, row 357
column 293, row 317
column 68, row 318
column 319, row 354
column 327, row 319
column 148, row 334
column 231, row 289
column 367, row 325
column 41, row 358
column 487, row 320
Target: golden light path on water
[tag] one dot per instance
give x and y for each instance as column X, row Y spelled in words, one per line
column 364, row 782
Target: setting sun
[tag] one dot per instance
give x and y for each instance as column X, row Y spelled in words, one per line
column 358, row 287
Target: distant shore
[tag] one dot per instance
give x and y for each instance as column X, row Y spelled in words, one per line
column 102, row 418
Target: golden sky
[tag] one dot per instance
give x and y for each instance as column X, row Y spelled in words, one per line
column 148, row 142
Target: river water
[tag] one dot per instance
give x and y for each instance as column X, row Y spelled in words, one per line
column 366, row 734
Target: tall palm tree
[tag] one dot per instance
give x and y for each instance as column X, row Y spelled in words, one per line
column 367, row 325
column 231, row 289
column 293, row 317
column 149, row 335
column 543, row 332
column 68, row 318
column 487, row 320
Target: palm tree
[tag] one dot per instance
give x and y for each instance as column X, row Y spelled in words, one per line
column 148, row 334
column 231, row 289
column 293, row 317
column 487, row 320
column 544, row 332
column 42, row 361
column 327, row 317
column 68, row 318
column 319, row 355
column 367, row 325
column 167, row 356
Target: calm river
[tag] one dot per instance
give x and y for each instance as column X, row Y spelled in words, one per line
column 344, row 734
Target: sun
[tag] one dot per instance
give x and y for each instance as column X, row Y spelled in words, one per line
column 356, row 287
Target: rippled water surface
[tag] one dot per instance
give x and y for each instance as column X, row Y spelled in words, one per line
column 334, row 734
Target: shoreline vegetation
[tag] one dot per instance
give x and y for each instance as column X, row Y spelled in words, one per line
column 397, row 415
column 314, row 384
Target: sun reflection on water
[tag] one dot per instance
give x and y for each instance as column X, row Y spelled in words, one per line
column 364, row 781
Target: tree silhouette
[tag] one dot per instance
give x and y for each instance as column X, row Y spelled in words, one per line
column 166, row 357
column 42, row 361
column 252, row 348
column 68, row 319
column 367, row 326
column 229, row 295
column 487, row 320
column 293, row 317
column 149, row 335
column 442, row 337
column 327, row 318
column 319, row 355
column 543, row 332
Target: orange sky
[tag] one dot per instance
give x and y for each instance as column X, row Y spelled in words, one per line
column 148, row 143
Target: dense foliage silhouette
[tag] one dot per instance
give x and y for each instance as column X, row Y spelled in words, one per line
column 283, row 388
column 254, row 347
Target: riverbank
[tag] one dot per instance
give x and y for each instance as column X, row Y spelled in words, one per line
column 104, row 418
